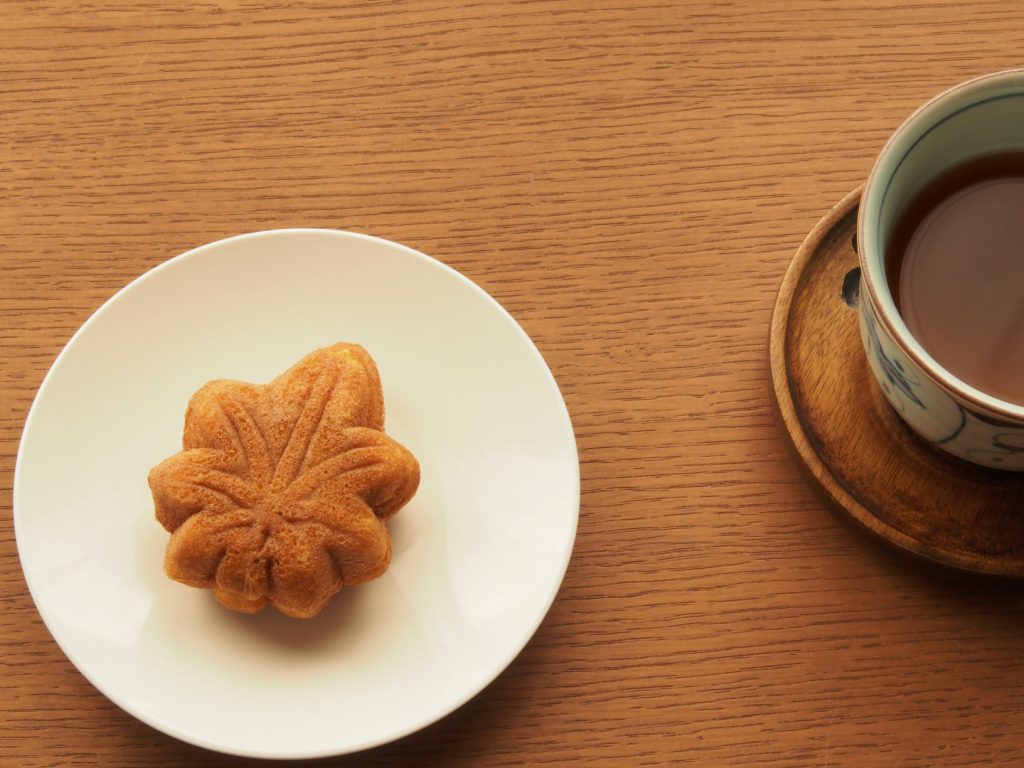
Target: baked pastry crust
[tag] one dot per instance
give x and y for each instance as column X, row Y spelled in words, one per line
column 280, row 493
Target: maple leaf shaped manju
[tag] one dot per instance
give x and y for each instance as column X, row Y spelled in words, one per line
column 280, row 492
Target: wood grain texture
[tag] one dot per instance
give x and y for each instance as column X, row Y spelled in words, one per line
column 630, row 179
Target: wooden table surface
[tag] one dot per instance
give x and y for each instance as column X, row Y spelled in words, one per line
column 630, row 180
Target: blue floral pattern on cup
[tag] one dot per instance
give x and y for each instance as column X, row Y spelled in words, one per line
column 894, row 372
column 1006, row 451
column 934, row 414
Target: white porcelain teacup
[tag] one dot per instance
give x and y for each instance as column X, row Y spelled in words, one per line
column 973, row 119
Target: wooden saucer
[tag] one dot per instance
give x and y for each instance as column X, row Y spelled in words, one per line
column 853, row 444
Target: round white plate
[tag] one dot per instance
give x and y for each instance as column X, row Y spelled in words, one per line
column 479, row 553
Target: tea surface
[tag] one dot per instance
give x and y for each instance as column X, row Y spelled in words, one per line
column 955, row 265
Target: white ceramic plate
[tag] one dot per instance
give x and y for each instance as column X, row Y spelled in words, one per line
column 479, row 553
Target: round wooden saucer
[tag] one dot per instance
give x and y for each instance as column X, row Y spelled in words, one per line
column 852, row 443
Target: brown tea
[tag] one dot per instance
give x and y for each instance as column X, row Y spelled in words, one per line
column 955, row 265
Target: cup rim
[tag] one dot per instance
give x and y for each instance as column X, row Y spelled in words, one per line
column 888, row 315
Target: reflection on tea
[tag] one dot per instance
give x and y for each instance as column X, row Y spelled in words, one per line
column 955, row 266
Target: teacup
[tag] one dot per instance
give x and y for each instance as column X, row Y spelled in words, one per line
column 979, row 117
